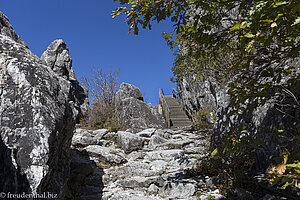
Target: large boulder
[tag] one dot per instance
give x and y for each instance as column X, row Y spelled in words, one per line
column 39, row 106
column 133, row 113
column 127, row 90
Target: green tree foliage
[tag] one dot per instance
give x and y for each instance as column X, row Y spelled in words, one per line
column 246, row 34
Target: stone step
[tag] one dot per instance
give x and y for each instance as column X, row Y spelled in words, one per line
column 181, row 123
column 177, row 115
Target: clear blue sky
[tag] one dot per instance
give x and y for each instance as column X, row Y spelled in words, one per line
column 96, row 40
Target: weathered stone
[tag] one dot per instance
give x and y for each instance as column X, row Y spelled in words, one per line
column 148, row 170
column 38, row 112
column 133, row 112
column 194, row 95
column 139, row 182
column 130, row 142
column 105, row 154
column 155, row 141
column 7, row 30
column 146, row 133
column 178, row 190
column 153, row 189
column 127, row 90
column 164, row 154
column 135, row 155
column 84, row 138
column 158, row 165
column 212, row 195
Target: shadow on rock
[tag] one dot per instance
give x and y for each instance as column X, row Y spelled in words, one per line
column 11, row 179
column 85, row 182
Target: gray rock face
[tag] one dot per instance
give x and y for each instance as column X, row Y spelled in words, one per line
column 38, row 112
column 133, row 112
column 7, row 30
column 57, row 57
column 194, row 95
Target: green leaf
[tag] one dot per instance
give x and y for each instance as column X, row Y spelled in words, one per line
column 280, row 3
column 244, row 24
column 249, row 35
column 214, row 153
column 279, row 15
column 267, row 20
column 236, row 27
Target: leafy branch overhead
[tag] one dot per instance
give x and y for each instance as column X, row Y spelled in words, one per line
column 233, row 26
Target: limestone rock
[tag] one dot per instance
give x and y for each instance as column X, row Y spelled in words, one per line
column 105, row 154
column 133, row 112
column 147, row 132
column 164, row 154
column 130, row 142
column 57, row 57
column 194, row 95
column 178, row 190
column 266, row 118
column 127, row 90
column 83, row 138
column 149, row 173
column 7, row 30
column 38, row 112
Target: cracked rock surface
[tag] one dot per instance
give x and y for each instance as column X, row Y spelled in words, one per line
column 38, row 111
column 153, row 169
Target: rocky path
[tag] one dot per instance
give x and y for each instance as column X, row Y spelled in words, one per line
column 149, row 165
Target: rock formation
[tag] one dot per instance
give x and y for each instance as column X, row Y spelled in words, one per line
column 194, row 95
column 148, row 165
column 40, row 102
column 133, row 112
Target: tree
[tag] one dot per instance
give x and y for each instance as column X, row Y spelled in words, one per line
column 250, row 33
column 103, row 87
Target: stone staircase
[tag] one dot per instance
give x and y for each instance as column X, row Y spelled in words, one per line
column 172, row 111
column 178, row 118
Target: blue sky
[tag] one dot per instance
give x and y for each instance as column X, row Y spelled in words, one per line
column 96, row 40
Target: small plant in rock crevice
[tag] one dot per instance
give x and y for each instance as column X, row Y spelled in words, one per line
column 202, row 119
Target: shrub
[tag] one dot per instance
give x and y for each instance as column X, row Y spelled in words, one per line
column 203, row 119
column 103, row 87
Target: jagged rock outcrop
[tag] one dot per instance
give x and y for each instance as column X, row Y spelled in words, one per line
column 57, row 57
column 195, row 95
column 7, row 30
column 39, row 107
column 133, row 113
column 155, row 170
